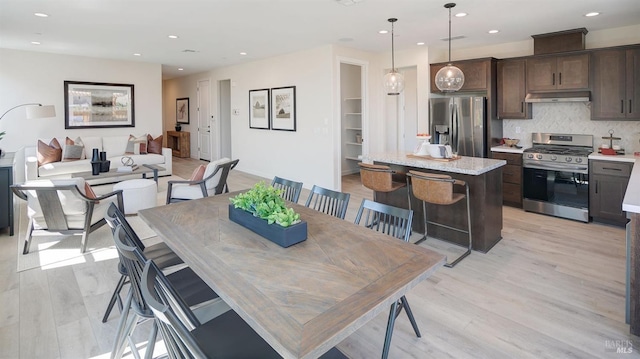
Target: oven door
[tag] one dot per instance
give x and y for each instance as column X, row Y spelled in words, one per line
column 560, row 187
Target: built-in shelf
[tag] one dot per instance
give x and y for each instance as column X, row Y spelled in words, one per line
column 354, row 143
column 352, row 99
column 353, row 128
column 354, row 113
column 353, row 158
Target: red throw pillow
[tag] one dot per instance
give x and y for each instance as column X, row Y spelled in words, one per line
column 49, row 153
column 198, row 173
column 88, row 191
column 154, row 145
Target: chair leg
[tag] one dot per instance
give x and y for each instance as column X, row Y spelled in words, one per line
column 424, row 217
column 405, row 305
column 27, row 239
column 389, row 332
column 152, row 341
column 119, row 341
column 115, row 297
column 452, row 264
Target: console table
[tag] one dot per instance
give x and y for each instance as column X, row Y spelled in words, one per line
column 6, row 195
column 180, row 143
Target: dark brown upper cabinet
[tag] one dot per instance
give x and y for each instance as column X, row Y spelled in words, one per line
column 615, row 84
column 550, row 73
column 478, row 74
column 512, row 89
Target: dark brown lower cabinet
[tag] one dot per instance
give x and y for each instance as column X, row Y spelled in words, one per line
column 511, row 178
column 608, row 182
column 6, row 196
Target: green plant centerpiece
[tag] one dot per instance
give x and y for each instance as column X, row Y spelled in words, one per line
column 260, row 208
column 265, row 202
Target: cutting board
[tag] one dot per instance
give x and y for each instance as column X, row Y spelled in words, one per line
column 427, row 157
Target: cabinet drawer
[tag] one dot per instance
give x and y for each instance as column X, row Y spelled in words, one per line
column 511, row 193
column 611, row 168
column 511, row 158
column 512, row 174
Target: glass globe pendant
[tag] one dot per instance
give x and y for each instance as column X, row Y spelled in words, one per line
column 393, row 81
column 449, row 78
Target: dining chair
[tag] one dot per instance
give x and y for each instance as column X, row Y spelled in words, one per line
column 395, row 222
column 185, row 336
column 290, row 189
column 328, row 201
column 438, row 189
column 61, row 206
column 380, row 178
column 160, row 253
column 213, row 182
column 196, row 294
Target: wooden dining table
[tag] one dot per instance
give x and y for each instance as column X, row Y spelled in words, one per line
column 304, row 299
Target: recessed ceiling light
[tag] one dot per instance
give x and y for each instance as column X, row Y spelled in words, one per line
column 494, row 31
column 41, row 14
column 137, row 54
column 420, row 43
column 590, row 14
column 243, row 53
column 383, row 32
column 173, row 36
column 35, row 43
column 461, row 14
column 180, row 69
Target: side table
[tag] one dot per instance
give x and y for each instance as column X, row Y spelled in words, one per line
column 179, row 143
column 6, row 195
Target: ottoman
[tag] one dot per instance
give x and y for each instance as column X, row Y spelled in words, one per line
column 137, row 194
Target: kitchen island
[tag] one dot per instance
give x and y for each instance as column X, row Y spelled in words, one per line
column 484, row 177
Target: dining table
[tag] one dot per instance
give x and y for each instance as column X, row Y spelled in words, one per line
column 304, row 299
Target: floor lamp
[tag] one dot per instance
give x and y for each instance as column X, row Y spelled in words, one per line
column 34, row 111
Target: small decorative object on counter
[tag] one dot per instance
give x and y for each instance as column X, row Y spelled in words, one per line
column 95, row 167
column 178, row 127
column 96, row 155
column 610, row 148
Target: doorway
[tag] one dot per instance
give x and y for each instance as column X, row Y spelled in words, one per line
column 224, row 103
column 204, row 120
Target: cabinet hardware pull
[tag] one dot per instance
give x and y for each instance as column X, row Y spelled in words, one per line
column 596, row 186
column 611, row 169
column 630, row 107
column 522, row 106
column 560, row 78
column 553, row 79
column 621, row 106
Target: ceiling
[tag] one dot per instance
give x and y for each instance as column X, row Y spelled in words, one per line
column 213, row 33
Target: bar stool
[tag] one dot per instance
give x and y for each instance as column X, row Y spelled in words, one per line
column 438, row 189
column 379, row 178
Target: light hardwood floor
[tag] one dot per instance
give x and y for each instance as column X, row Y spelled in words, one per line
column 552, row 288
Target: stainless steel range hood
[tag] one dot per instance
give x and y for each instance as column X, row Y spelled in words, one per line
column 580, row 96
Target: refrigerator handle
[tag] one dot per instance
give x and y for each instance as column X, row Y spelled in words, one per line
column 454, row 128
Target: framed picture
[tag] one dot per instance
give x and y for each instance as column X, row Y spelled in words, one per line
column 97, row 105
column 182, row 110
column 259, row 109
column 283, row 108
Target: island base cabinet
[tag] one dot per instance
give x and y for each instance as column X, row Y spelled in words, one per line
column 608, row 182
column 485, row 193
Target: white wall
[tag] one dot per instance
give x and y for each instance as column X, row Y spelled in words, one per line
column 304, row 155
column 27, row 76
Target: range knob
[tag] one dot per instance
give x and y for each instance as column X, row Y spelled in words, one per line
column 554, row 157
column 578, row 159
column 568, row 159
column 539, row 157
column 530, row 155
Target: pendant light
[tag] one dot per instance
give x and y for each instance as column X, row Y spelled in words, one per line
column 449, row 78
column 393, row 81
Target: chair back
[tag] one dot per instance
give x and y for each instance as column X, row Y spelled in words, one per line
column 172, row 315
column 216, row 175
column 376, row 177
column 133, row 260
column 328, row 201
column 290, row 189
column 384, row 218
column 55, row 205
column 431, row 187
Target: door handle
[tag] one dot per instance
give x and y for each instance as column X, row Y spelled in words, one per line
column 560, row 78
column 553, row 79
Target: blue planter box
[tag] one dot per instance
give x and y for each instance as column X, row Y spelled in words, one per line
column 283, row 236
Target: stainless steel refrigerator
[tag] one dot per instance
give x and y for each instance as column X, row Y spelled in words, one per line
column 460, row 122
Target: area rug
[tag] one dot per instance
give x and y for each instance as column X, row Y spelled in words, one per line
column 50, row 251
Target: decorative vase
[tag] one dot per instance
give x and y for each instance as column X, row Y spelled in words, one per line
column 95, row 156
column 104, row 166
column 95, row 167
column 178, row 128
column 282, row 236
column 103, row 156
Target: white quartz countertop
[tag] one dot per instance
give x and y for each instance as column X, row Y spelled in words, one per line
column 618, row 158
column 508, row 149
column 631, row 201
column 465, row 165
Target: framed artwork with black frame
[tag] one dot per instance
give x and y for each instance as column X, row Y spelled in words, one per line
column 259, row 109
column 283, row 108
column 98, row 105
column 182, row 110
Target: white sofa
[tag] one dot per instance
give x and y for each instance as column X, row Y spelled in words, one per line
column 114, row 146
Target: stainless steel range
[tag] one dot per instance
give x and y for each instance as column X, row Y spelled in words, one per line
column 556, row 175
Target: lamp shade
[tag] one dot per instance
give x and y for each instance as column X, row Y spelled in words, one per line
column 42, row 111
column 393, row 83
column 449, row 79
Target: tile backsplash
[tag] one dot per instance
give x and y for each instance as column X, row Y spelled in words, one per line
column 572, row 118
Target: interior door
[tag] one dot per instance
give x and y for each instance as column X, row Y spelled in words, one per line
column 204, row 122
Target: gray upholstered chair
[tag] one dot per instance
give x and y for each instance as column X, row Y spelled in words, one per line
column 328, row 201
column 214, row 182
column 61, row 206
column 290, row 189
